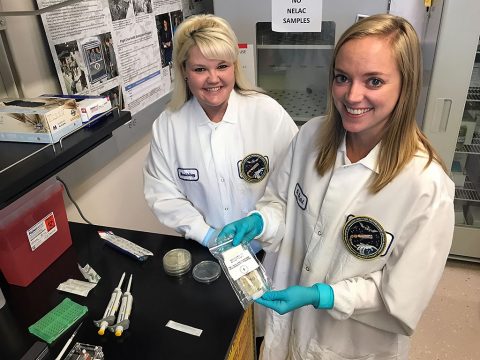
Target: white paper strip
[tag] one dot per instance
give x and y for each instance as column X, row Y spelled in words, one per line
column 184, row 328
column 77, row 287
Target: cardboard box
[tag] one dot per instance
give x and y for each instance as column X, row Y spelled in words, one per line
column 92, row 108
column 34, row 232
column 39, row 120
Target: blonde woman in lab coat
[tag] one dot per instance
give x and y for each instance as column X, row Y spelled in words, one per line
column 360, row 212
column 214, row 147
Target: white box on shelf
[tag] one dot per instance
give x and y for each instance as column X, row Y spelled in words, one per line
column 91, row 107
column 38, row 120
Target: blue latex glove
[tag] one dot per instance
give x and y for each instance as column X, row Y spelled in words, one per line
column 243, row 230
column 319, row 295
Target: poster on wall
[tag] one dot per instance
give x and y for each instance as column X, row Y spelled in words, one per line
column 119, row 48
column 194, row 7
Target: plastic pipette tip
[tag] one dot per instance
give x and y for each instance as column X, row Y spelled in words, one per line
column 101, row 331
column 118, row 331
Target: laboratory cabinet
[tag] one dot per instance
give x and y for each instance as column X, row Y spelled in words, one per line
column 293, row 68
column 465, row 170
column 452, row 116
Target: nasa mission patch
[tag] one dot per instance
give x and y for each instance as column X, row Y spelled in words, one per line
column 253, row 168
column 365, row 238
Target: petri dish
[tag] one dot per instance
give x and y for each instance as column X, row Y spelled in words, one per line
column 177, row 262
column 206, row 271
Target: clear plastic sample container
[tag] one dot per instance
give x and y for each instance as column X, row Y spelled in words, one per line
column 206, row 271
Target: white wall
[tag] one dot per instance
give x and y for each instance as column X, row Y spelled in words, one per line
column 107, row 183
column 30, row 53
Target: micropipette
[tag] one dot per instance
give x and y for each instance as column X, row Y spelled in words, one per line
column 123, row 321
column 112, row 307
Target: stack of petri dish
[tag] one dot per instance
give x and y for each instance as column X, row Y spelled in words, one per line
column 177, row 262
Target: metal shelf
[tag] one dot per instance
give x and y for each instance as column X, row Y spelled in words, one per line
column 473, row 94
column 474, row 148
column 301, row 105
column 265, row 35
column 296, row 47
column 467, row 192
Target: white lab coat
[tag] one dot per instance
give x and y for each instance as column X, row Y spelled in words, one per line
column 378, row 302
column 192, row 176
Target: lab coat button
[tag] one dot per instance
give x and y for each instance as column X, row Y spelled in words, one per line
column 307, row 268
column 222, row 179
column 319, row 232
column 226, row 209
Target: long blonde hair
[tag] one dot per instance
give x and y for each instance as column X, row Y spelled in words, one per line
column 402, row 138
column 216, row 40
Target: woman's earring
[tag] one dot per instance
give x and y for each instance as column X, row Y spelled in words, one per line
column 186, row 78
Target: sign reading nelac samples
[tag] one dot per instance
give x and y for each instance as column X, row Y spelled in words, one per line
column 297, row 15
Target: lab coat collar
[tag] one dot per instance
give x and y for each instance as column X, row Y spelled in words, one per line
column 370, row 161
column 230, row 116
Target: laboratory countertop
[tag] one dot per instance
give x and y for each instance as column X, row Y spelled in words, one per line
column 23, row 166
column 157, row 298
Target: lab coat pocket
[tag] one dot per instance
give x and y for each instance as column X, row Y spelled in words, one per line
column 277, row 335
column 246, row 195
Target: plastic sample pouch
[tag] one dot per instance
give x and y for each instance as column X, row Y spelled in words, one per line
column 242, row 269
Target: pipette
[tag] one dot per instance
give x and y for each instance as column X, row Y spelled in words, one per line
column 69, row 341
column 123, row 321
column 112, row 307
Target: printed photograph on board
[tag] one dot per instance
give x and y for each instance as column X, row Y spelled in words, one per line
column 177, row 18
column 94, row 58
column 164, row 32
column 109, row 54
column 72, row 67
column 142, row 7
column 121, row 9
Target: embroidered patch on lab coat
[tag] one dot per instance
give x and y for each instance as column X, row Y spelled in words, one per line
column 365, row 238
column 253, row 168
column 188, row 174
column 302, row 199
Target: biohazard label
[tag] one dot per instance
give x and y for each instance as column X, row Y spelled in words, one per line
column 42, row 231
